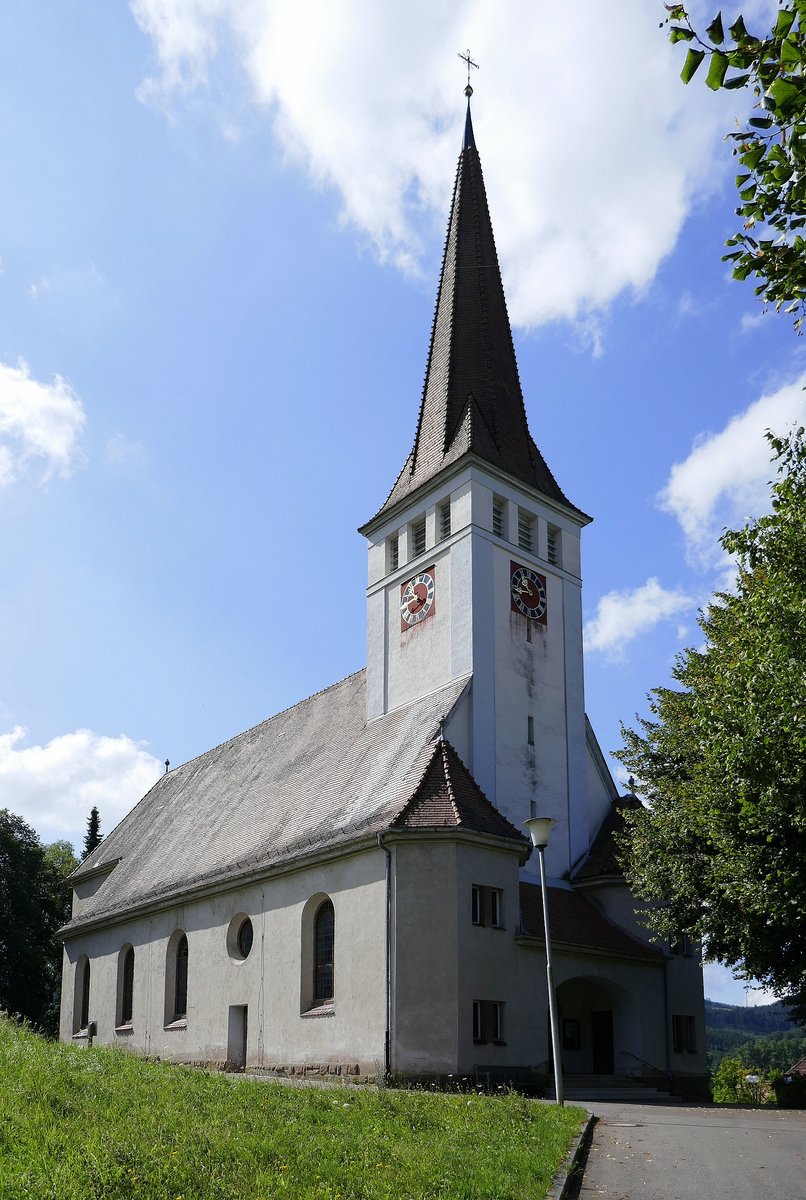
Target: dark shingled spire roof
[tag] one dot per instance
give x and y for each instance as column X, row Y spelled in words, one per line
column 472, row 401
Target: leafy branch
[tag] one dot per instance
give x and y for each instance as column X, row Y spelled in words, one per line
column 770, row 146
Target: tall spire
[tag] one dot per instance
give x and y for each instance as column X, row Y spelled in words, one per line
column 472, row 402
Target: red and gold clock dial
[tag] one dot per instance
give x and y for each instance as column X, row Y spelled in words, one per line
column 417, row 599
column 528, row 593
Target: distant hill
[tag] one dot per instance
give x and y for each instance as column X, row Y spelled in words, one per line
column 763, row 1018
column 763, row 1037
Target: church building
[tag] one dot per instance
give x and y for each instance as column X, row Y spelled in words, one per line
column 347, row 888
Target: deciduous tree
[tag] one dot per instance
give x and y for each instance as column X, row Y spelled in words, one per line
column 34, row 903
column 721, row 847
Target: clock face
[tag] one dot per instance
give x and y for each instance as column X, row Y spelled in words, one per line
column 528, row 592
column 417, row 599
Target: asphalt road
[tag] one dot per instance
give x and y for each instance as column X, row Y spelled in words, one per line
column 705, row 1152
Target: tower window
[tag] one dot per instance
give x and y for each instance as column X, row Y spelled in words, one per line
column 554, row 551
column 526, row 524
column 444, row 520
column 498, row 516
column 418, row 537
column 392, row 553
column 530, row 730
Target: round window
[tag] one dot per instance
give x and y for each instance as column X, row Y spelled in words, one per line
column 245, row 938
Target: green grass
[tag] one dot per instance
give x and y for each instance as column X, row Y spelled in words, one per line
column 78, row 1123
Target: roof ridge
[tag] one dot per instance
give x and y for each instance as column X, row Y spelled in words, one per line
column 448, row 781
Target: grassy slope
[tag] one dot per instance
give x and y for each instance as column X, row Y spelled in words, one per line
column 77, row 1123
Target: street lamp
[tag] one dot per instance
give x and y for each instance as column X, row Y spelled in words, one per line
column 539, row 832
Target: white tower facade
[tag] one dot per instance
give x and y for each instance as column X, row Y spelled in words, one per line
column 474, row 559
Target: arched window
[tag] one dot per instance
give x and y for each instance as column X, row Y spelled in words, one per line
column 84, row 1018
column 126, row 987
column 181, row 984
column 323, row 942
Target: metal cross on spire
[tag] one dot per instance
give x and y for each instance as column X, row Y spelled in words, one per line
column 467, row 59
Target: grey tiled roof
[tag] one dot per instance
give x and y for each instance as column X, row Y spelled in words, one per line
column 574, row 921
column 313, row 776
column 472, row 401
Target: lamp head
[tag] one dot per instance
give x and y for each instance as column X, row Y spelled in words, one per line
column 539, row 830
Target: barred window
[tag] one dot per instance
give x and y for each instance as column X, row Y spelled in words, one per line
column 392, row 553
column 526, row 524
column 418, row 537
column 498, row 516
column 554, row 546
column 444, row 520
column 323, row 942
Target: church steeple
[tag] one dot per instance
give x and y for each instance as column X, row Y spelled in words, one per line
column 472, row 402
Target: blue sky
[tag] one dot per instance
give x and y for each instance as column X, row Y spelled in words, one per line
column 221, row 225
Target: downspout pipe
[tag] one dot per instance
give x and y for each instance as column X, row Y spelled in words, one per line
column 387, row 1045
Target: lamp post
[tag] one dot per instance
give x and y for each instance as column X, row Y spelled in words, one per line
column 539, row 832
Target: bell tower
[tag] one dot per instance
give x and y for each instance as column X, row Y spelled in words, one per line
column 474, row 563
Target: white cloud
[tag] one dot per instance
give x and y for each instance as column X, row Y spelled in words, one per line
column 39, row 423
column 722, row 985
column 589, row 181
column 725, row 477
column 53, row 787
column 623, row 616
column 752, row 321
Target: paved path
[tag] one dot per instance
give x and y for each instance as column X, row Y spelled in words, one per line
column 707, row 1152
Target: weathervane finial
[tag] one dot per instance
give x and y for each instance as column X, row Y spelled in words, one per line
column 468, row 60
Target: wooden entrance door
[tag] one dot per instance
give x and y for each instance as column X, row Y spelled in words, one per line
column 602, row 1042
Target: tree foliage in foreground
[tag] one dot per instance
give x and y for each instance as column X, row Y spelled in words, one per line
column 770, row 143
column 34, row 903
column 722, row 763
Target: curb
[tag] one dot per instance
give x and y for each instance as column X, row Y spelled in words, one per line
column 570, row 1169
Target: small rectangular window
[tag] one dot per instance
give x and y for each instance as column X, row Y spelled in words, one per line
column 496, row 1020
column 530, row 730
column 525, row 530
column 392, row 553
column 418, row 537
column 554, row 546
column 488, row 1021
column 691, row 1035
column 498, row 516
column 487, row 906
column 684, row 1034
column 444, row 520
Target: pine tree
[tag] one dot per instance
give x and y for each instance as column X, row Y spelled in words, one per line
column 93, row 835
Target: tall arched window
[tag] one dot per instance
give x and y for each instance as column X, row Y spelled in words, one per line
column 323, row 942
column 127, row 987
column 84, row 1018
column 181, row 985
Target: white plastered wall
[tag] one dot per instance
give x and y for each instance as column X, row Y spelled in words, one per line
column 268, row 982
